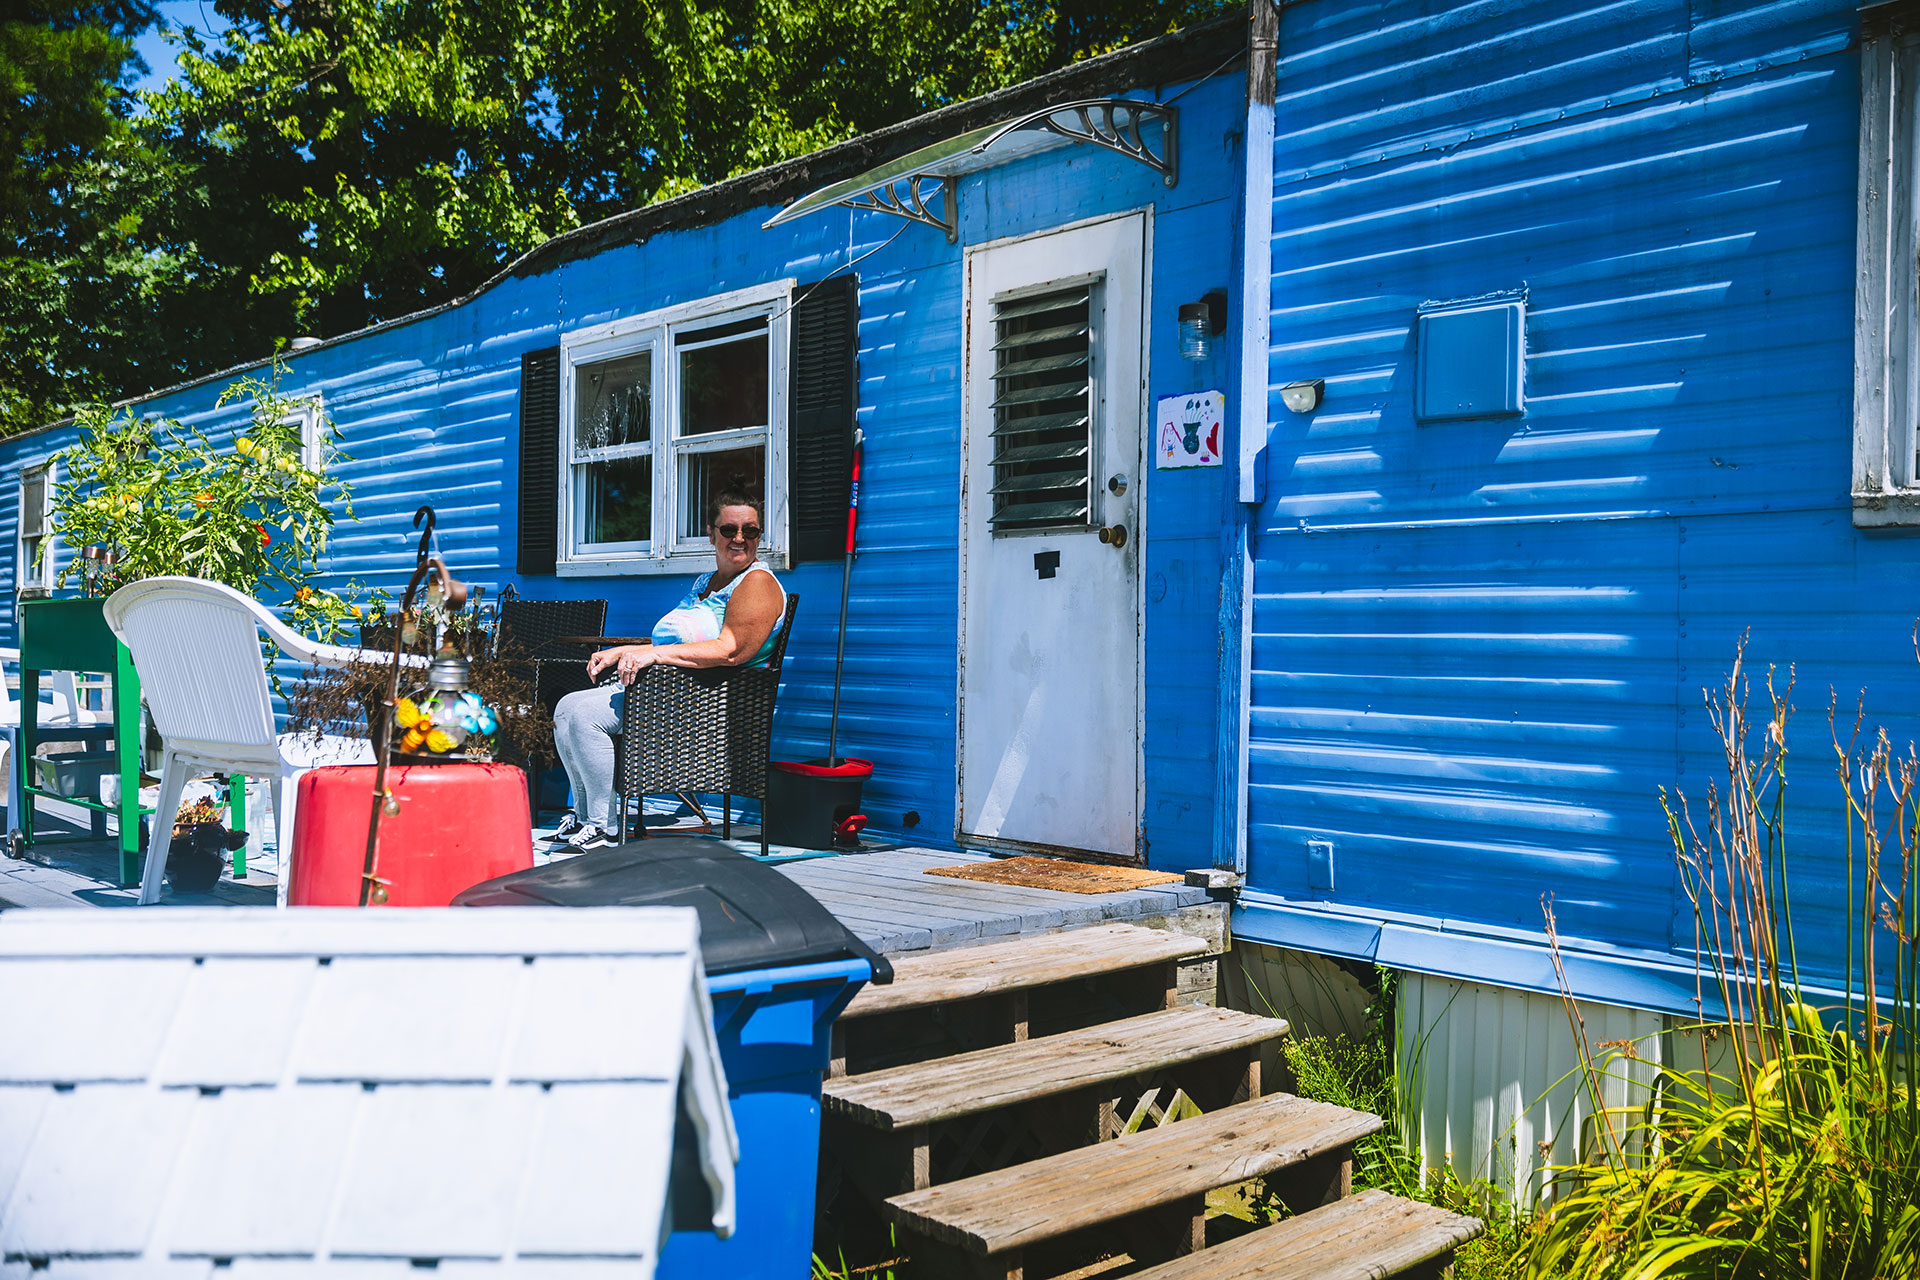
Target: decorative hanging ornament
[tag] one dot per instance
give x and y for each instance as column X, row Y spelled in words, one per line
column 445, row 716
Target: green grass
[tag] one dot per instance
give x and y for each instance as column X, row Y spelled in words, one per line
column 1359, row 1074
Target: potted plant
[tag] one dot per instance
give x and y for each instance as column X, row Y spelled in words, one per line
column 200, row 846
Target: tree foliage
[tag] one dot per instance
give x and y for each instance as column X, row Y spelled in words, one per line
column 325, row 164
column 64, row 230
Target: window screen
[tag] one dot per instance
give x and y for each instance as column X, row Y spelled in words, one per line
column 33, row 503
column 1043, row 409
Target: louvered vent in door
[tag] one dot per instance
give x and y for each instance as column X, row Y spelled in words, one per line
column 1043, row 408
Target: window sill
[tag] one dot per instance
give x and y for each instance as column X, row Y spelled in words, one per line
column 1887, row 511
column 651, row 566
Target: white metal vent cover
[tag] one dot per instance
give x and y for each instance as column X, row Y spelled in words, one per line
column 1043, row 430
column 226, row 1092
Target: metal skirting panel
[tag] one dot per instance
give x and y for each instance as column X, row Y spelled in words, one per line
column 1313, row 993
column 1492, row 1083
column 1478, row 647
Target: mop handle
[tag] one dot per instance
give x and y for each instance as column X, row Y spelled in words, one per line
column 846, row 581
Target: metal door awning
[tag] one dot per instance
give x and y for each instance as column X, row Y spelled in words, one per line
column 920, row 186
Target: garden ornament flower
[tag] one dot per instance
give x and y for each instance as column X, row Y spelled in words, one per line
column 475, row 715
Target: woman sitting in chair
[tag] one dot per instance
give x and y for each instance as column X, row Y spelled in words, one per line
column 727, row 619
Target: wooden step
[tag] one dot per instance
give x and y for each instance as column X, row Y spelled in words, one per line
column 996, row 968
column 997, row 1215
column 943, row 1089
column 1366, row 1237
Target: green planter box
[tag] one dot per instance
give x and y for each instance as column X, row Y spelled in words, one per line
column 72, row 635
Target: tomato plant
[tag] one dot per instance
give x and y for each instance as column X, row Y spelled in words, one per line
column 167, row 499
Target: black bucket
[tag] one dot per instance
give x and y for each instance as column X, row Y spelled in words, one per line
column 816, row 805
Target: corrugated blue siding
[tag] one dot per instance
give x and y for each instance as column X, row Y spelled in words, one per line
column 1478, row 647
column 430, row 413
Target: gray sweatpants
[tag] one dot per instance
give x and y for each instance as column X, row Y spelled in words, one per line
column 584, row 727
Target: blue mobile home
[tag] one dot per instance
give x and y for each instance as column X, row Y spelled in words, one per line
column 1477, row 639
column 1599, row 321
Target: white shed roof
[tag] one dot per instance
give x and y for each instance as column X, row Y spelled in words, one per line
column 351, row 1091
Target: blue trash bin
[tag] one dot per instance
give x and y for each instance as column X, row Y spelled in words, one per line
column 780, row 969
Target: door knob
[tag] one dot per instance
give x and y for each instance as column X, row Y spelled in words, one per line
column 1114, row 535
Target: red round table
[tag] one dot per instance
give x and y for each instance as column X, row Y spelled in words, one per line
column 458, row 824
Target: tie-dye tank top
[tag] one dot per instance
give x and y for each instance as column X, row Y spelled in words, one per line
column 699, row 618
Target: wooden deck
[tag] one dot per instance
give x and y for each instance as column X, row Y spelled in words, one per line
column 884, row 896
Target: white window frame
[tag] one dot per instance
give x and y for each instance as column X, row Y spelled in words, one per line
column 1886, row 326
column 666, row 551
column 26, row 574
column 310, row 416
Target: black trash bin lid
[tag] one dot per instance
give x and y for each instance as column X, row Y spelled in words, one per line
column 751, row 916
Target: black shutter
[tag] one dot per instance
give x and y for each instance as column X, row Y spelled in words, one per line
column 539, row 460
column 826, row 339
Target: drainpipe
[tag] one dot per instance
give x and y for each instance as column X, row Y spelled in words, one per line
column 1256, row 287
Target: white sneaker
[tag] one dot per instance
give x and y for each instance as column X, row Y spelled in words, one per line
column 586, row 838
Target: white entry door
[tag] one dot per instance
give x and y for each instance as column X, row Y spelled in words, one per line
column 1050, row 541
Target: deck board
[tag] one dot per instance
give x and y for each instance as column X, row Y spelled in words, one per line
column 1005, row 1075
column 853, row 885
column 1014, row 1207
column 969, row 973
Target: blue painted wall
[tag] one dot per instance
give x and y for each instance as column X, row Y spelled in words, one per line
column 1479, row 647
column 430, row 413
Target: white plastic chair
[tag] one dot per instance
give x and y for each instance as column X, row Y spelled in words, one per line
column 197, row 649
column 65, row 713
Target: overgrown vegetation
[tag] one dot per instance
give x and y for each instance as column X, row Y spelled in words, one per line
column 1358, row 1072
column 1790, row 1144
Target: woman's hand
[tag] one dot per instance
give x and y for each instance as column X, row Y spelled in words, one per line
column 601, row 659
column 633, row 660
column 604, row 659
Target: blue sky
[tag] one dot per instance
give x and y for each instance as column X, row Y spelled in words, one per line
column 153, row 45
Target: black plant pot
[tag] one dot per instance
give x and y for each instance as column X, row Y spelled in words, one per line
column 199, row 854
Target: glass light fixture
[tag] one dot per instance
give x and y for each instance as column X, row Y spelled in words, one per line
column 1303, row 396
column 1200, row 323
column 1195, row 331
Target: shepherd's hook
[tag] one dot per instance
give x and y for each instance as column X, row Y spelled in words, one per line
column 426, row 537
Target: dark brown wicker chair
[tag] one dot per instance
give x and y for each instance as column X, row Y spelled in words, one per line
column 688, row 729
column 546, row 636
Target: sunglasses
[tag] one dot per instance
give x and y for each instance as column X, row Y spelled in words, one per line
column 750, row 532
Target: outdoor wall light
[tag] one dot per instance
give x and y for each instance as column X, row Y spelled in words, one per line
column 1200, row 323
column 1303, row 396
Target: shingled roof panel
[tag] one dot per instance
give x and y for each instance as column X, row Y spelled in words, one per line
column 350, row 1092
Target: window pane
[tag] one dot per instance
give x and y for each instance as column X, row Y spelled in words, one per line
column 33, row 504
column 704, row 474
column 617, row 505
column 724, row 386
column 613, row 402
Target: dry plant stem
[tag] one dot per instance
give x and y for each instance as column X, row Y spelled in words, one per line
column 1577, row 1023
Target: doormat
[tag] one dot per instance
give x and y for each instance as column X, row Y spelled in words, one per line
column 1056, row 873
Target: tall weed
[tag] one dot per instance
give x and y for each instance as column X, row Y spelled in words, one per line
column 1359, row 1073
column 1794, row 1150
